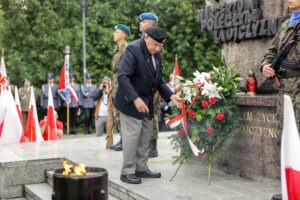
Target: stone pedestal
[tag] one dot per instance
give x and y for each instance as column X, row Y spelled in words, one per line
column 255, row 151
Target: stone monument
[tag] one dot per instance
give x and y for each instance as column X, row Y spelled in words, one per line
column 245, row 29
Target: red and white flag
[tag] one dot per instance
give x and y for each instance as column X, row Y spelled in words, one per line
column 64, row 88
column 33, row 131
column 51, row 121
column 12, row 128
column 18, row 106
column 3, row 68
column 2, row 107
column 290, row 158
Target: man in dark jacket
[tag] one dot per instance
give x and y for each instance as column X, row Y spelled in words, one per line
column 140, row 76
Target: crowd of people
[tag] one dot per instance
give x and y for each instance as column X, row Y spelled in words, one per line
column 134, row 97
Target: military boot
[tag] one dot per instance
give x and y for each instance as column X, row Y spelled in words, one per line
column 152, row 152
column 86, row 130
column 74, row 130
column 119, row 145
column 89, row 129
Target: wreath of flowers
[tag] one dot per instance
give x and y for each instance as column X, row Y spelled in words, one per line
column 213, row 117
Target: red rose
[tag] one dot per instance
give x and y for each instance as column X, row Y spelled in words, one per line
column 212, row 100
column 205, row 104
column 181, row 132
column 199, row 153
column 192, row 115
column 220, row 116
column 210, row 130
column 196, row 141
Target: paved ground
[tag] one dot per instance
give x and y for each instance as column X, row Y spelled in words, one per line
column 190, row 182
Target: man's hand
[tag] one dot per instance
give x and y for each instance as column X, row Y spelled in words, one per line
column 268, row 71
column 176, row 100
column 140, row 105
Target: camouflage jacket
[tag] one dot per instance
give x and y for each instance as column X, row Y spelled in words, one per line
column 118, row 52
column 281, row 36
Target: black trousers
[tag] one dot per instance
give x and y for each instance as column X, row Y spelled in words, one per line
column 88, row 116
column 73, row 117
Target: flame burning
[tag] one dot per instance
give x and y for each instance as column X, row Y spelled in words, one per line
column 80, row 169
column 67, row 167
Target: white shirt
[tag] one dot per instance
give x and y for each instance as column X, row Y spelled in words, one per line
column 103, row 105
column 153, row 61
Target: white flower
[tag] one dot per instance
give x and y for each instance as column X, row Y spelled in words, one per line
column 188, row 91
column 211, row 90
column 200, row 77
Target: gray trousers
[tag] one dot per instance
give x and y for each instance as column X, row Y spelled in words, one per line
column 136, row 136
column 101, row 124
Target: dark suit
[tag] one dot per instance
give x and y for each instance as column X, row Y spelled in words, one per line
column 138, row 78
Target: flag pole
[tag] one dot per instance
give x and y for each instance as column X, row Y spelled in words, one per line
column 2, row 50
column 31, row 135
column 68, row 104
column 68, row 118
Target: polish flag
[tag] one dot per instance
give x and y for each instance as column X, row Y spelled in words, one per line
column 2, row 108
column 18, row 105
column 51, row 121
column 290, row 159
column 175, row 73
column 12, row 128
column 33, row 131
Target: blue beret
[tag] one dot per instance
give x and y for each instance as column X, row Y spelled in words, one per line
column 72, row 76
column 148, row 16
column 123, row 28
column 50, row 76
column 88, row 76
column 157, row 34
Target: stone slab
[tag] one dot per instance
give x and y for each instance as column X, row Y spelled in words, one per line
column 190, row 182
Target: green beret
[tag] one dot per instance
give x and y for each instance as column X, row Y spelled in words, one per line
column 26, row 79
column 123, row 28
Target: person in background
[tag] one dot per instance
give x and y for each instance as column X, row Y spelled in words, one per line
column 148, row 20
column 44, row 94
column 101, row 111
column 121, row 35
column 73, row 105
column 25, row 93
column 88, row 90
column 44, row 130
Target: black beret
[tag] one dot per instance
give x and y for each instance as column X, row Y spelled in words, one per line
column 157, row 34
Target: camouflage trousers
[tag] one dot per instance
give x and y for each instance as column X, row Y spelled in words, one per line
column 155, row 117
column 291, row 87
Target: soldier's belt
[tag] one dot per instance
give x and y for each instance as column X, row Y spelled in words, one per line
column 290, row 65
column 289, row 73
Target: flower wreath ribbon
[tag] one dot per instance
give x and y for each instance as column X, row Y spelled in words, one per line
column 181, row 119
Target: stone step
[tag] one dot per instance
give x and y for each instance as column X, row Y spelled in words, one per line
column 40, row 191
column 49, row 177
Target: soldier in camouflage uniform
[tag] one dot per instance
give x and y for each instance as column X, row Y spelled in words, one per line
column 289, row 72
column 121, row 34
column 148, row 20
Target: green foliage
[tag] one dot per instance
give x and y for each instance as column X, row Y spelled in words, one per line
column 220, row 114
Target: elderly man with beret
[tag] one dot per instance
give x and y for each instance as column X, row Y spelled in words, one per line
column 140, row 76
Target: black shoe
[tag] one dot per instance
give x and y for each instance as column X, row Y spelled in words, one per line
column 119, row 147
column 74, row 130
column 147, row 174
column 131, row 178
column 152, row 151
column 89, row 130
column 86, row 131
column 277, row 197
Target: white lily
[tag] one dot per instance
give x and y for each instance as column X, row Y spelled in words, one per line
column 211, row 90
column 200, row 77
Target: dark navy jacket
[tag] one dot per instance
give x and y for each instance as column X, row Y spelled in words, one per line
column 138, row 78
